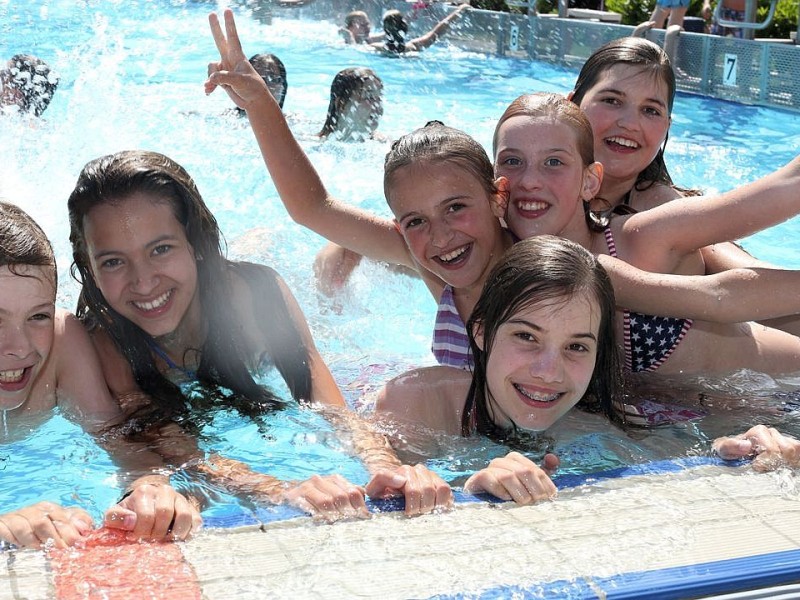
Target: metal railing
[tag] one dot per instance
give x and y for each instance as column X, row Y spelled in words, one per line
column 747, row 71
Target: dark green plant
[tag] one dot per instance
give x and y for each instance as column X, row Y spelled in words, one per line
column 784, row 21
column 637, row 11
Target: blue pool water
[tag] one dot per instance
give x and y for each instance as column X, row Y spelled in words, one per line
column 131, row 77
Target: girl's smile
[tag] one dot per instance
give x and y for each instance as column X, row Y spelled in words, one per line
column 629, row 112
column 27, row 310
column 546, row 177
column 143, row 263
column 448, row 220
column 542, row 360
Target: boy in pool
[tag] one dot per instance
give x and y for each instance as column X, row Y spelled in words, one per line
column 48, row 361
column 357, row 29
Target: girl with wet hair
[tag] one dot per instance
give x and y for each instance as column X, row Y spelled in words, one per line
column 211, row 346
column 273, row 72
column 165, row 307
column 544, row 341
column 355, row 106
column 633, row 72
column 542, row 334
column 627, row 90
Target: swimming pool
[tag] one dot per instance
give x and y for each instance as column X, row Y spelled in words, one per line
column 132, row 75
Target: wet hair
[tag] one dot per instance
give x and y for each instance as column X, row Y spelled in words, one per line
column 396, row 28
column 346, row 84
column 545, row 105
column 23, row 243
column 112, row 180
column 266, row 65
column 435, row 142
column 648, row 57
column 354, row 16
column 541, row 271
column 34, row 78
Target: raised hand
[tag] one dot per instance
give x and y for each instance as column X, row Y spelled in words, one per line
column 515, row 477
column 233, row 71
column 34, row 526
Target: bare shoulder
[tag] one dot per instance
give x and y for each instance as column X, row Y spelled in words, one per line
column 655, row 195
column 115, row 368
column 430, row 396
column 70, row 338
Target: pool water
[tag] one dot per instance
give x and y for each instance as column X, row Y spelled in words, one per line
column 131, row 77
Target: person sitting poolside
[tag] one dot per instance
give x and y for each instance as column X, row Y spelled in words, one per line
column 731, row 10
column 395, row 27
column 28, row 84
column 358, row 30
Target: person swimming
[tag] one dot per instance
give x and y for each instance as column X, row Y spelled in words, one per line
column 27, row 84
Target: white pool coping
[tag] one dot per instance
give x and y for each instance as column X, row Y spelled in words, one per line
column 594, row 540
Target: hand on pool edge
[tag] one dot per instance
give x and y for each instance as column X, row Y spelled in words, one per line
column 327, row 498
column 424, row 491
column 38, row 524
column 154, row 512
column 769, row 448
column 516, row 477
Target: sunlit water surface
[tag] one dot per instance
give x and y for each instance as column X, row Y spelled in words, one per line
column 131, row 77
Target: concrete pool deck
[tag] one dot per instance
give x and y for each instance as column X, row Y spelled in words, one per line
column 701, row 530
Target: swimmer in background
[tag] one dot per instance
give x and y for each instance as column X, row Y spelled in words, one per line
column 542, row 334
column 395, row 28
column 273, row 72
column 27, row 85
column 355, row 107
column 358, row 30
column 46, row 362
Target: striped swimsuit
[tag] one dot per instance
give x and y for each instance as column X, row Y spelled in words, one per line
column 450, row 340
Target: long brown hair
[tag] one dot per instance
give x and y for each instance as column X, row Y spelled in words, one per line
column 536, row 271
column 223, row 357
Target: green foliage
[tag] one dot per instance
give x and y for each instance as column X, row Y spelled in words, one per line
column 784, row 21
column 637, row 11
column 633, row 11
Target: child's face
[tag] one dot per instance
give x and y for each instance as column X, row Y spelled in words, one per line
column 541, row 361
column 360, row 29
column 546, row 177
column 448, row 220
column 27, row 310
column 629, row 112
column 143, row 263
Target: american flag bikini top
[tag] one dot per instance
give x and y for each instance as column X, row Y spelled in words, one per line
column 649, row 340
